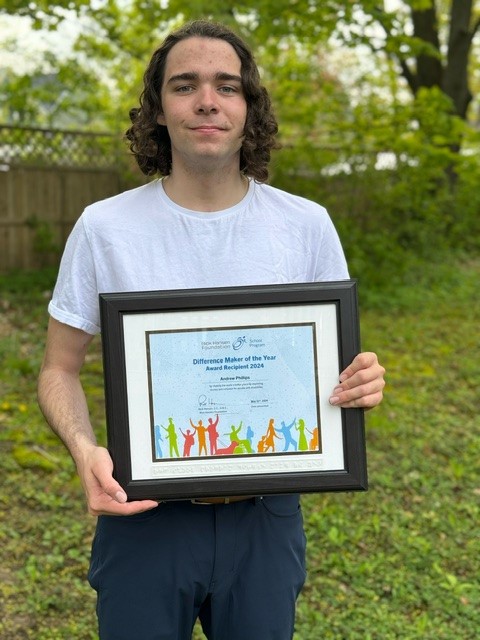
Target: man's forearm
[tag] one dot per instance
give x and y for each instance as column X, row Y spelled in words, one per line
column 62, row 401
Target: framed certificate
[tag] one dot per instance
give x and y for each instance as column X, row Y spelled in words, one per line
column 224, row 392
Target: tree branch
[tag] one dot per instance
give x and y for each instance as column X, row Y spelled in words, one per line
column 410, row 77
column 473, row 32
column 408, row 74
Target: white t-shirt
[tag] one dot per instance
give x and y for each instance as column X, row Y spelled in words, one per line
column 141, row 240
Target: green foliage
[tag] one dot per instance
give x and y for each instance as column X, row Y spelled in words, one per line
column 44, row 13
column 396, row 562
column 400, row 195
column 45, row 244
column 56, row 94
column 399, row 561
column 118, row 36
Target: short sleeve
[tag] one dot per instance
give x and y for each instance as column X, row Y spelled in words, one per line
column 75, row 297
column 331, row 263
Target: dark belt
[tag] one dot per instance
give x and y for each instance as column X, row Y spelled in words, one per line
column 227, row 500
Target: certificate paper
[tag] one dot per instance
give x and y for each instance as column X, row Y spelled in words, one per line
column 179, row 377
column 233, row 391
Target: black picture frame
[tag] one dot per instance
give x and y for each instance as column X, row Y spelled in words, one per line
column 173, row 317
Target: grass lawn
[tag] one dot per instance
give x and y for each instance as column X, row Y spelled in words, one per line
column 401, row 561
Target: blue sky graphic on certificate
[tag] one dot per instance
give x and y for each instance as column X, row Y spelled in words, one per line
column 233, row 391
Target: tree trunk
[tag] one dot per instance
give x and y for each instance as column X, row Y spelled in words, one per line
column 429, row 67
column 452, row 78
column 455, row 79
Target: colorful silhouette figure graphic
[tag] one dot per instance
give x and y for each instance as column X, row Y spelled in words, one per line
column 243, row 445
column 270, row 436
column 188, row 442
column 213, row 435
column 234, row 431
column 172, row 439
column 227, row 450
column 302, row 438
column 314, row 440
column 261, row 446
column 248, row 444
column 286, row 431
column 202, row 436
column 158, row 441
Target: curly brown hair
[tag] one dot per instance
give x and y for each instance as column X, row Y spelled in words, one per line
column 150, row 142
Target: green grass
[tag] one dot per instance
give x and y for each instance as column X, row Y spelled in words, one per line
column 400, row 561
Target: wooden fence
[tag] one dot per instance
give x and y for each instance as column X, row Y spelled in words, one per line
column 46, row 180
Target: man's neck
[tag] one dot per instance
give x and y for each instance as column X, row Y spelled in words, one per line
column 206, row 192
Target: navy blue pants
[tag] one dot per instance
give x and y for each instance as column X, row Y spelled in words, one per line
column 238, row 567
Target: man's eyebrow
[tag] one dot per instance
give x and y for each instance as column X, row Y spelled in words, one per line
column 183, row 76
column 228, row 76
column 192, row 75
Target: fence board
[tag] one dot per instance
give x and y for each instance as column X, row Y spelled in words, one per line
column 39, row 206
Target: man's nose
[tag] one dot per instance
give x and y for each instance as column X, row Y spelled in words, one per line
column 207, row 100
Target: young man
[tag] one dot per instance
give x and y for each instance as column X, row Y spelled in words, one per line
column 205, row 124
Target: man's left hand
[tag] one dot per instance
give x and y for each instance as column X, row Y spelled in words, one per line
column 361, row 384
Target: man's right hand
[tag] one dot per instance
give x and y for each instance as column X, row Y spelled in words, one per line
column 104, row 494
column 63, row 403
